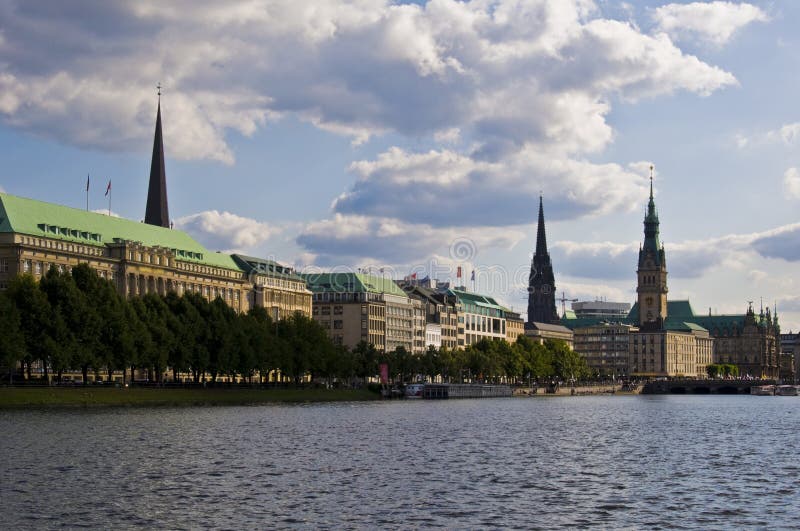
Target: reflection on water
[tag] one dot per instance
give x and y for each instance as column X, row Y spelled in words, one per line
column 611, row 462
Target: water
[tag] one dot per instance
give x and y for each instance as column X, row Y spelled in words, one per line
column 607, row 462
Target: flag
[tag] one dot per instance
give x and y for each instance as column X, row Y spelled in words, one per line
column 458, row 272
column 381, row 271
column 87, row 182
column 414, row 276
column 472, row 278
column 108, row 188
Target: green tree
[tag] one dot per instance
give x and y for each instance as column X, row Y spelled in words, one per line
column 12, row 341
column 35, row 317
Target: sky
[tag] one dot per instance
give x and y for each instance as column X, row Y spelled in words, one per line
column 418, row 137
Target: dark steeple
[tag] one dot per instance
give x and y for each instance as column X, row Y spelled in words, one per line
column 157, row 212
column 541, row 282
column 652, row 272
column 651, row 242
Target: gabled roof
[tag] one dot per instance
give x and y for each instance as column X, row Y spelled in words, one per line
column 466, row 297
column 546, row 327
column 36, row 218
column 351, row 283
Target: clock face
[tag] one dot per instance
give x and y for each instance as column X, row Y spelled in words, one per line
column 546, row 289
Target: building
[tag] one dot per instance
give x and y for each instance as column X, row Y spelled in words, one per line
column 138, row 258
column 355, row 307
column 541, row 282
column 275, row 287
column 605, row 348
column 611, row 311
column 515, row 325
column 439, row 308
column 480, row 317
column 541, row 332
column 790, row 347
column 433, row 335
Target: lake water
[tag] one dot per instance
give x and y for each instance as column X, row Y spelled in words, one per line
column 608, row 462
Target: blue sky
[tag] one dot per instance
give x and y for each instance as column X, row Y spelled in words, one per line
column 417, row 137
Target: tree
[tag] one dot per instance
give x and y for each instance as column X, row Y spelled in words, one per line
column 12, row 341
column 35, row 319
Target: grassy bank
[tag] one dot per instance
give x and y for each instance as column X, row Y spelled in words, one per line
column 21, row 397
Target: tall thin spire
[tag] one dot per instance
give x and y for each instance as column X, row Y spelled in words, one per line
column 541, row 237
column 157, row 212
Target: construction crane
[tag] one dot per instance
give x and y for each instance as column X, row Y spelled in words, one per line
column 564, row 300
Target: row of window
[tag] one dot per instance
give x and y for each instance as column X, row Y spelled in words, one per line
column 62, row 246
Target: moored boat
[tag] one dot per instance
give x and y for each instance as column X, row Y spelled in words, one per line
column 762, row 390
column 414, row 390
column 786, row 390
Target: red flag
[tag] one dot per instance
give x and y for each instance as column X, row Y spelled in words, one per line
column 414, row 276
column 384, row 373
column 458, row 272
column 108, row 188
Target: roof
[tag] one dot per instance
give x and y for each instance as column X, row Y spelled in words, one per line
column 680, row 309
column 263, row 266
column 351, row 282
column 466, row 297
column 676, row 325
column 546, row 327
column 37, row 218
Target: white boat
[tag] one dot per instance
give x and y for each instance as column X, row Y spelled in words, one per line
column 786, row 390
column 414, row 390
column 762, row 390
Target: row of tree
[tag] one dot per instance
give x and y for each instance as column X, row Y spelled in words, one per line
column 78, row 321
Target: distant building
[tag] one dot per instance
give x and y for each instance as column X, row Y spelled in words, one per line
column 790, row 348
column 275, row 287
column 541, row 282
column 439, row 308
column 480, row 317
column 541, row 332
column 355, row 307
column 611, row 311
column 515, row 326
column 604, row 347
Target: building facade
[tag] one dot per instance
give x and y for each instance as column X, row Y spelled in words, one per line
column 541, row 332
column 610, row 311
column 605, row 348
column 481, row 317
column 355, row 307
column 274, row 287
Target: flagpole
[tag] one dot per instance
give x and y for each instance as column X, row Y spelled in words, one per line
column 87, row 192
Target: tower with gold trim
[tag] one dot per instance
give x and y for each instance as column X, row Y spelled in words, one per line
column 652, row 271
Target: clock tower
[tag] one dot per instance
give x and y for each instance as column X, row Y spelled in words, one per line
column 652, row 272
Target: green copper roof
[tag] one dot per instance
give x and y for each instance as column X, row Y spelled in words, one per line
column 680, row 310
column 351, row 283
column 36, row 218
column 466, row 297
column 266, row 267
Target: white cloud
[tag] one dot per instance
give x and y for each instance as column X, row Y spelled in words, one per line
column 715, row 22
column 791, row 183
column 787, row 135
column 226, row 231
column 351, row 239
column 506, row 73
column 2, row 190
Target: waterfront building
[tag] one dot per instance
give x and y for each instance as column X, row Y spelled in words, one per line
column 515, row 325
column 481, row 317
column 604, row 347
column 275, row 287
column 438, row 307
column 355, row 307
column 137, row 257
column 541, row 332
column 790, row 346
column 611, row 311
column 541, row 281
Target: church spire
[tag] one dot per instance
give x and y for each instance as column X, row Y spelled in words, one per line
column 541, row 237
column 157, row 212
column 541, row 282
column 651, row 222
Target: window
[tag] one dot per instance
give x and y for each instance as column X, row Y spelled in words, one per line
column 326, row 310
column 338, row 324
column 337, row 310
column 26, row 266
column 38, row 268
column 3, row 266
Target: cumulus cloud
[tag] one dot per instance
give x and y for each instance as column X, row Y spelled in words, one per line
column 715, row 22
column 344, row 239
column 226, row 231
column 782, row 242
column 508, row 72
column 791, row 183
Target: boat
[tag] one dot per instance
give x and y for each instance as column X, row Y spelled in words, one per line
column 786, row 390
column 762, row 390
column 414, row 390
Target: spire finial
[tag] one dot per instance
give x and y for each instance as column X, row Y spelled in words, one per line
column 159, row 91
column 651, row 180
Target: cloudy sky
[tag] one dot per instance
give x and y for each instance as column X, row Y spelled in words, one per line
column 418, row 136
